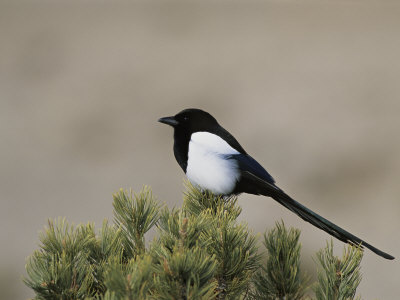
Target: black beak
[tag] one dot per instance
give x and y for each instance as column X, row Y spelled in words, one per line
column 169, row 121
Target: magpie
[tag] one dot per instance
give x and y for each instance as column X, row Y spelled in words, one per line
column 213, row 160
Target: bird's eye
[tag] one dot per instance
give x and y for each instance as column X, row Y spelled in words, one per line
column 185, row 118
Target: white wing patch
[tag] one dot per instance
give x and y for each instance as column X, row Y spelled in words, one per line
column 212, row 142
column 208, row 166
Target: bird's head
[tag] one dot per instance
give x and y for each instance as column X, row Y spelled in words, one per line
column 191, row 120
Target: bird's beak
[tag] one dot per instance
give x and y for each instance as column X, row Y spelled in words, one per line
column 169, row 121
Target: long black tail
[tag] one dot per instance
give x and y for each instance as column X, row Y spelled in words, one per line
column 267, row 189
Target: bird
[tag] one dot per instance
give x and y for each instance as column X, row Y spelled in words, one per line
column 213, row 160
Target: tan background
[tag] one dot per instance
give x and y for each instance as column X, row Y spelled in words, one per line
column 310, row 88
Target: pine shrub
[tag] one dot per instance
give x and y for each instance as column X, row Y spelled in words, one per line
column 201, row 252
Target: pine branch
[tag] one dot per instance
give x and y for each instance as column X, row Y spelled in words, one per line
column 196, row 202
column 133, row 280
column 233, row 246
column 63, row 268
column 338, row 279
column 135, row 214
column 184, row 268
column 281, row 278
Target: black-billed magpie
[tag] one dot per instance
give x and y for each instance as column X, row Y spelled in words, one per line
column 213, row 160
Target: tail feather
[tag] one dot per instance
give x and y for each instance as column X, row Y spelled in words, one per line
column 271, row 190
column 324, row 224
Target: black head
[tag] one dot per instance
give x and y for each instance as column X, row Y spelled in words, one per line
column 191, row 120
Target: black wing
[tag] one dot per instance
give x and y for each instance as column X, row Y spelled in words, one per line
column 248, row 164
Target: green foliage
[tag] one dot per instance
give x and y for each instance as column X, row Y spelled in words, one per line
column 201, row 252
column 135, row 215
column 70, row 262
column 184, row 274
column 231, row 243
column 133, row 280
column 181, row 259
column 281, row 278
column 196, row 202
column 338, row 278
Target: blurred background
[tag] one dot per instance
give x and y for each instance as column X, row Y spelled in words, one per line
column 310, row 88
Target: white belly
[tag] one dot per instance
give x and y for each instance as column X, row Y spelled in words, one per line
column 208, row 168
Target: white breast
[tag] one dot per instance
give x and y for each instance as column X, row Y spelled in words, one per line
column 208, row 167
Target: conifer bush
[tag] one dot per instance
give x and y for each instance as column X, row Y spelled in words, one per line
column 201, row 251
